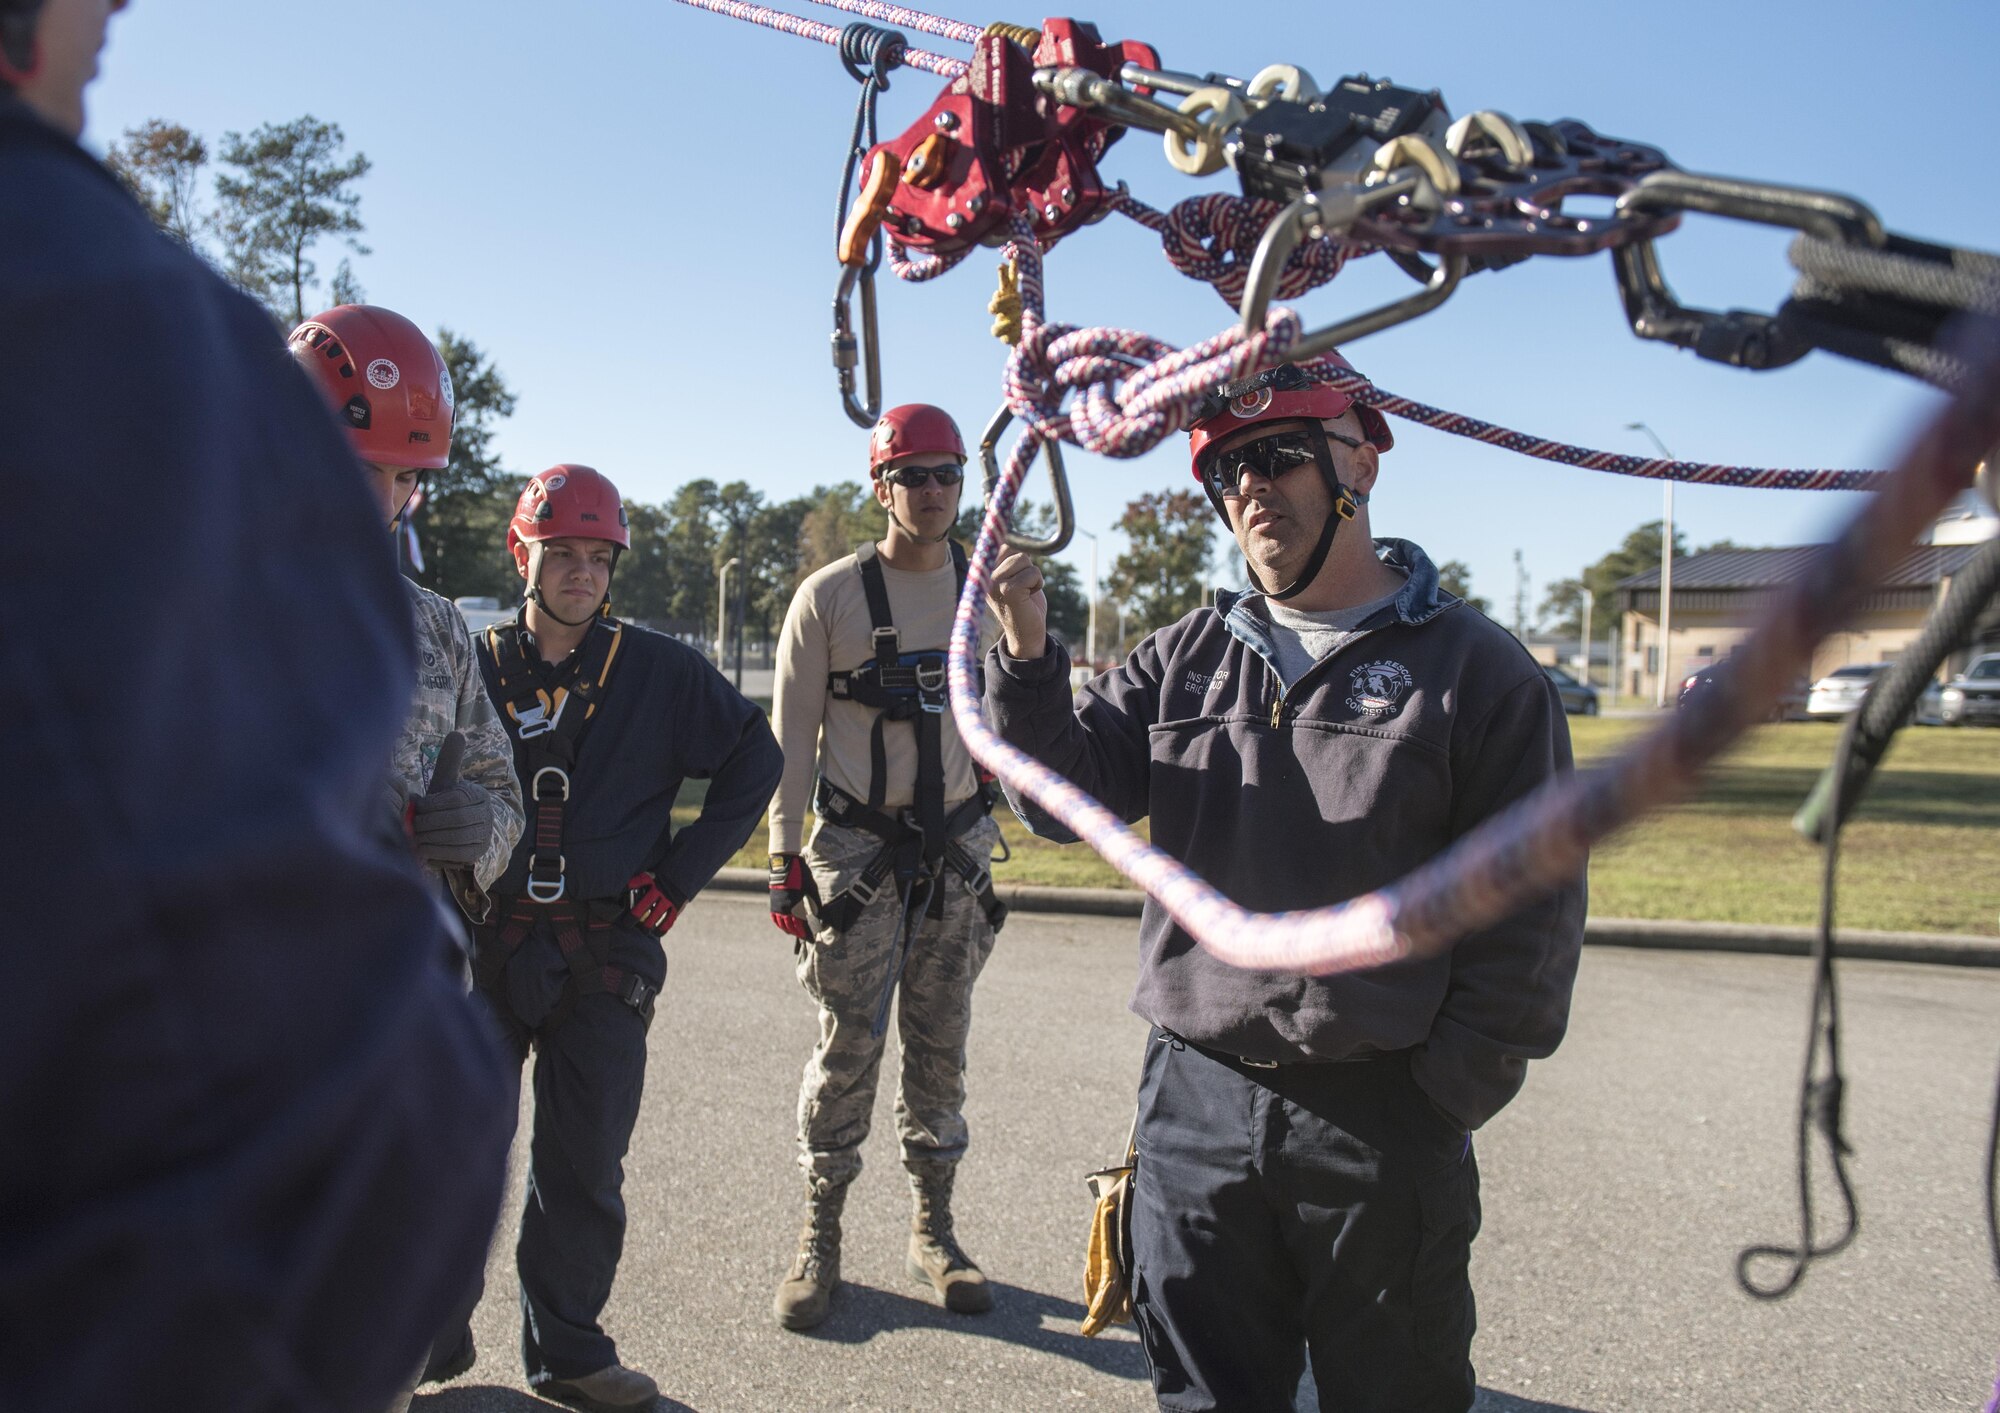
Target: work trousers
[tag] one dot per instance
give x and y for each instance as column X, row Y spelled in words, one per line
column 849, row 973
column 1312, row 1209
column 588, row 1077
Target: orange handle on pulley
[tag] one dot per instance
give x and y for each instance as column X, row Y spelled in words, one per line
column 878, row 189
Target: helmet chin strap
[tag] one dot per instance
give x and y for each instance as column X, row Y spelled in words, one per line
column 603, row 609
column 1345, row 501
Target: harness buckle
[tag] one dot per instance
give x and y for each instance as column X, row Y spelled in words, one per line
column 533, row 721
column 864, row 892
column 562, row 778
column 888, row 635
column 542, row 890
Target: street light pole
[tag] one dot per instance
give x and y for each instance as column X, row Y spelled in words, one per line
column 1589, row 601
column 722, row 610
column 1666, row 566
column 1090, row 634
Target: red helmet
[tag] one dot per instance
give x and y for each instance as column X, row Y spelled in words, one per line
column 1283, row 393
column 384, row 380
column 566, row 502
column 914, row 429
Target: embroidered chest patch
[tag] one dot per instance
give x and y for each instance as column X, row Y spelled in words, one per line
column 1376, row 689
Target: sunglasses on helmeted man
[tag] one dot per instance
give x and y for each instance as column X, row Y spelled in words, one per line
column 910, row 478
column 1268, row 457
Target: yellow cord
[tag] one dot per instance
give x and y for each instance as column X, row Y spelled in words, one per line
column 1005, row 305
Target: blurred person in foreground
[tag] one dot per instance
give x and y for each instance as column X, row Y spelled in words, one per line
column 252, row 1132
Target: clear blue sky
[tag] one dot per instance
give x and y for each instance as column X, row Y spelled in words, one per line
column 628, row 203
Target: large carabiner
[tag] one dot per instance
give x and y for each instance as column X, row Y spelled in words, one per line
column 989, row 463
column 847, row 352
column 1332, row 212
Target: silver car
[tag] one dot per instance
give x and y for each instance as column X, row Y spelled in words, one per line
column 1973, row 698
column 1840, row 691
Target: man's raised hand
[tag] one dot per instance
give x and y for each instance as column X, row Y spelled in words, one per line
column 1019, row 602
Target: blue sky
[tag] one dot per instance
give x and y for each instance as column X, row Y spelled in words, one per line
column 628, row 203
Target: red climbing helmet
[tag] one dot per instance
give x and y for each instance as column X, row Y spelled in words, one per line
column 914, row 429
column 385, row 382
column 566, row 502
column 1284, row 393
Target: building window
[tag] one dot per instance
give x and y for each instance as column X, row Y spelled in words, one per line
column 1707, row 650
column 1652, row 659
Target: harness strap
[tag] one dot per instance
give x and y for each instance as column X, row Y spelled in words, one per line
column 543, row 715
column 582, row 932
column 900, row 855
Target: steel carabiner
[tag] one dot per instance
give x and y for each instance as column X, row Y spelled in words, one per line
column 989, row 463
column 848, row 352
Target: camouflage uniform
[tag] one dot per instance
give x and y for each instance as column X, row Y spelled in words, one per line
column 846, row 973
column 451, row 696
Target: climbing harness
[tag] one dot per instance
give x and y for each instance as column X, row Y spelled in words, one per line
column 549, row 722
column 918, row 843
column 548, row 717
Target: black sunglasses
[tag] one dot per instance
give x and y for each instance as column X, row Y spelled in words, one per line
column 1267, row 457
column 911, row 478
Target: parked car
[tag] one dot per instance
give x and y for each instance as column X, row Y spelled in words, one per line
column 1578, row 698
column 481, row 611
column 1973, row 697
column 1790, row 706
column 1841, row 690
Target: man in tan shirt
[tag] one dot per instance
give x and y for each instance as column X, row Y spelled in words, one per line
column 891, row 897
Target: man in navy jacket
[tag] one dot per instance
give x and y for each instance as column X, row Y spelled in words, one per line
column 1306, row 1183
column 252, row 1135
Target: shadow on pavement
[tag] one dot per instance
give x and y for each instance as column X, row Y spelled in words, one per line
column 492, row 1398
column 860, row 1312
column 1493, row 1401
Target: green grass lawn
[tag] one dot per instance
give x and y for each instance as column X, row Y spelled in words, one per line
column 1922, row 855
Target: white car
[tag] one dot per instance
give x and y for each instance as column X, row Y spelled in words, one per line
column 1974, row 697
column 1840, row 691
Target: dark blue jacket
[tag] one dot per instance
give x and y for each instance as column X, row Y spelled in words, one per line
column 252, row 1135
column 1373, row 762
column 667, row 717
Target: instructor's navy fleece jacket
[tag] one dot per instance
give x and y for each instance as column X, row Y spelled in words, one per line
column 1402, row 740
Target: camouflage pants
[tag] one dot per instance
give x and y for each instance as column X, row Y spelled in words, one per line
column 847, row 973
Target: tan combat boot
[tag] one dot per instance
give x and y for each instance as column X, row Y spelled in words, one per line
column 805, row 1295
column 935, row 1255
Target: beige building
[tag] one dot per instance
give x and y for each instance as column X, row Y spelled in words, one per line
column 1718, row 598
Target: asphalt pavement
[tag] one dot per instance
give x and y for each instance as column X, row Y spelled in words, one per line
column 1617, row 1190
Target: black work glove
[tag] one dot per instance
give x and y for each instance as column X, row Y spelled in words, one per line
column 453, row 823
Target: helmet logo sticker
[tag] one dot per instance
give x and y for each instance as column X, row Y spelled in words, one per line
column 445, row 390
column 1249, row 404
column 357, row 413
column 383, row 374
column 1374, row 689
column 555, row 482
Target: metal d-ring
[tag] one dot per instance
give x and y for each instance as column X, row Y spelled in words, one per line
column 989, row 464
column 867, row 352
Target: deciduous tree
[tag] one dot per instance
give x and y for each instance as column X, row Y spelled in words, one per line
column 161, row 163
column 1164, row 571
column 462, row 524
